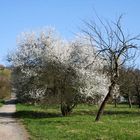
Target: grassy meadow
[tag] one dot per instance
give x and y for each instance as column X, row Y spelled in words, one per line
column 46, row 123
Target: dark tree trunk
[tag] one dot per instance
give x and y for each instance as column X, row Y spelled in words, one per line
column 115, row 102
column 139, row 100
column 65, row 109
column 139, row 104
column 138, row 95
column 129, row 101
column 101, row 109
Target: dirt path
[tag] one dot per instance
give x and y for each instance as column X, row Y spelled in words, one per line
column 9, row 127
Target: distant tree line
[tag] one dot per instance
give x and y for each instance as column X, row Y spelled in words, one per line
column 130, row 85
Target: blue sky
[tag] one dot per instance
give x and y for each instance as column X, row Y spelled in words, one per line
column 66, row 16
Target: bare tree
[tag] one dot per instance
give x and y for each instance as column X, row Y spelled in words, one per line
column 113, row 46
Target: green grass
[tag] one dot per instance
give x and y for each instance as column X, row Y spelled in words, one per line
column 44, row 123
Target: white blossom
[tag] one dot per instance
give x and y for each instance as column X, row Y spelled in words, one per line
column 37, row 50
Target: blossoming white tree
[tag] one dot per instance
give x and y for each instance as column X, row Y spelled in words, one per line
column 83, row 57
column 45, row 66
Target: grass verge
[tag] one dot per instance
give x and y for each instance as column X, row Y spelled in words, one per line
column 46, row 123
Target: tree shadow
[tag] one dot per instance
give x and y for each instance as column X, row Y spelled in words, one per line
column 40, row 114
column 8, row 119
column 84, row 112
column 11, row 101
column 121, row 113
column 35, row 115
column 6, row 115
column 107, row 112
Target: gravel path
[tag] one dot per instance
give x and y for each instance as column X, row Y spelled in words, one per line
column 9, row 127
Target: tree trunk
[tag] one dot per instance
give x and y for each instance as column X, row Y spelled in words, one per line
column 115, row 102
column 129, row 101
column 65, row 109
column 101, row 109
column 139, row 104
column 138, row 97
column 139, row 100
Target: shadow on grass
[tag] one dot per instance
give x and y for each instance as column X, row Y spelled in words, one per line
column 84, row 112
column 108, row 112
column 38, row 114
column 35, row 114
column 122, row 112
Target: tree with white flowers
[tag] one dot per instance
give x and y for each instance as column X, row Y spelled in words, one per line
column 46, row 67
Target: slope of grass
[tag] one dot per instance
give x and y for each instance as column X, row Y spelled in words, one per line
column 5, row 85
column 5, row 73
column 44, row 123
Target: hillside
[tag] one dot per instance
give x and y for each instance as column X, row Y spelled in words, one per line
column 5, row 87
